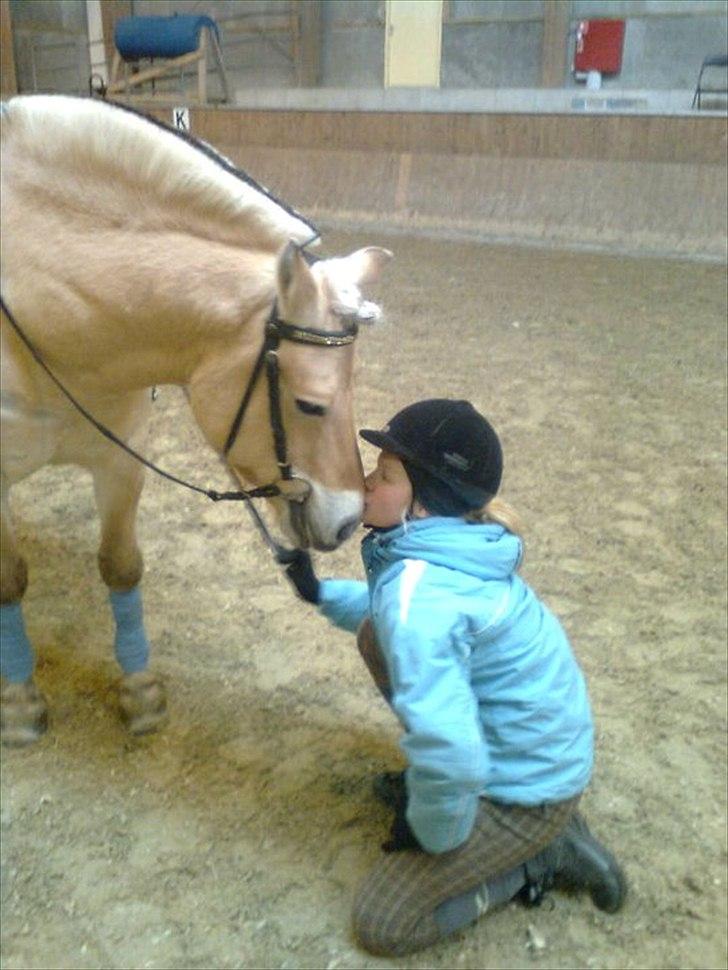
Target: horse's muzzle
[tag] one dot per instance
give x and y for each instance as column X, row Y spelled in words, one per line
column 325, row 519
column 347, row 529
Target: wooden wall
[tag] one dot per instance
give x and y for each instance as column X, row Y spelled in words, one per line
column 645, row 184
column 8, row 80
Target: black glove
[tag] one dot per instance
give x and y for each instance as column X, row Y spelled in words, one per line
column 300, row 572
column 401, row 835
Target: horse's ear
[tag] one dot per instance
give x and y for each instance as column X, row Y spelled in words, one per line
column 366, row 265
column 286, row 265
column 294, row 278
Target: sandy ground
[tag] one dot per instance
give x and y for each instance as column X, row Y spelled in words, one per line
column 237, row 837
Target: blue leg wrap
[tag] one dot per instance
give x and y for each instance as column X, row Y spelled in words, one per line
column 130, row 645
column 16, row 653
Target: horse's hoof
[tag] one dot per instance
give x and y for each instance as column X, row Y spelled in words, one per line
column 24, row 714
column 143, row 702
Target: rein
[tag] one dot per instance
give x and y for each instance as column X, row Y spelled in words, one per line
column 275, row 331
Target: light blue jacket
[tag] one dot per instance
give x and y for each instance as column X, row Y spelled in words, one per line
column 484, row 681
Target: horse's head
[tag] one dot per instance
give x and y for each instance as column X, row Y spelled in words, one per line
column 321, row 505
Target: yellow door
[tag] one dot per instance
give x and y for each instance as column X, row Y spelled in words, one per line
column 412, row 43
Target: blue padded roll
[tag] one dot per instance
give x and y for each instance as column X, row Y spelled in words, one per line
column 137, row 37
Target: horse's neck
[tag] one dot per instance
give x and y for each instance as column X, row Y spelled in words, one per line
column 133, row 291
column 152, row 314
column 199, row 296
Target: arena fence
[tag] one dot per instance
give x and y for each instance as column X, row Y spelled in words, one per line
column 643, row 184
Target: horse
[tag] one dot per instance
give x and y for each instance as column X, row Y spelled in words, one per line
column 136, row 256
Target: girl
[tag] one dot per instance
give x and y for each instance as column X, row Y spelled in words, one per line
column 497, row 729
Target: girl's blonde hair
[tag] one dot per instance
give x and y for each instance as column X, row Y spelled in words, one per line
column 500, row 512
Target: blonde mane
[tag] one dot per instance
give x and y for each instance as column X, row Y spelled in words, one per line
column 77, row 137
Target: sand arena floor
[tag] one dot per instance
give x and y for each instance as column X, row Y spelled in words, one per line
column 237, row 837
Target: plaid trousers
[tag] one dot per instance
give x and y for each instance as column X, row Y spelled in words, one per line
column 394, row 910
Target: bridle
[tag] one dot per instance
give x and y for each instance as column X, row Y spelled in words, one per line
column 276, row 330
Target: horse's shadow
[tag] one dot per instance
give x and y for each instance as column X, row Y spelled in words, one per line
column 305, row 768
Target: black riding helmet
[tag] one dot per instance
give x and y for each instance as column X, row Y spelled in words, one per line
column 450, row 452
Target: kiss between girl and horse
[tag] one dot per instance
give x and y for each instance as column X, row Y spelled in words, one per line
column 134, row 256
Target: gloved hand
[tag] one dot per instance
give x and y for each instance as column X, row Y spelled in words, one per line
column 301, row 574
column 401, row 836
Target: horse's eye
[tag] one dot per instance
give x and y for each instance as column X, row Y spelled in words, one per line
column 308, row 407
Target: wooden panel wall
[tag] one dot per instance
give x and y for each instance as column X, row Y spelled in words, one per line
column 8, row 79
column 603, row 137
column 635, row 183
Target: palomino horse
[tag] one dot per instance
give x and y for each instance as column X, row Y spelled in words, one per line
column 134, row 257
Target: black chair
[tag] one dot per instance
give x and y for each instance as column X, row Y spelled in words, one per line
column 717, row 61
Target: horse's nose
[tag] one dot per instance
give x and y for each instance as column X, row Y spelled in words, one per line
column 347, row 529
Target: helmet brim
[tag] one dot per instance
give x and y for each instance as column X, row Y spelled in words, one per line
column 380, row 439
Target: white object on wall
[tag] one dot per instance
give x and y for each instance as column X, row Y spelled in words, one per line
column 593, row 80
column 181, row 119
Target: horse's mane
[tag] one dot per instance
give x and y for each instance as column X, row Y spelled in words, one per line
column 76, row 134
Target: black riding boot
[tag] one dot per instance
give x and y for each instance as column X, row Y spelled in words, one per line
column 575, row 860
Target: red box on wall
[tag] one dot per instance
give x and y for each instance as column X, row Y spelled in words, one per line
column 599, row 45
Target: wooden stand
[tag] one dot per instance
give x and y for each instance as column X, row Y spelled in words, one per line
column 128, row 84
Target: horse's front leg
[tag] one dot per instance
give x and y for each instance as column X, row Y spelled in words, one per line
column 23, row 709
column 118, row 484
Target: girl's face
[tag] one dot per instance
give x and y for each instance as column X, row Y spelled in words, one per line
column 387, row 493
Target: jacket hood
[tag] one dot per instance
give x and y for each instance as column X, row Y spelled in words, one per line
column 484, row 550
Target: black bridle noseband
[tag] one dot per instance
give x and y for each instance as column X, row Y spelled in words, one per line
column 276, row 330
